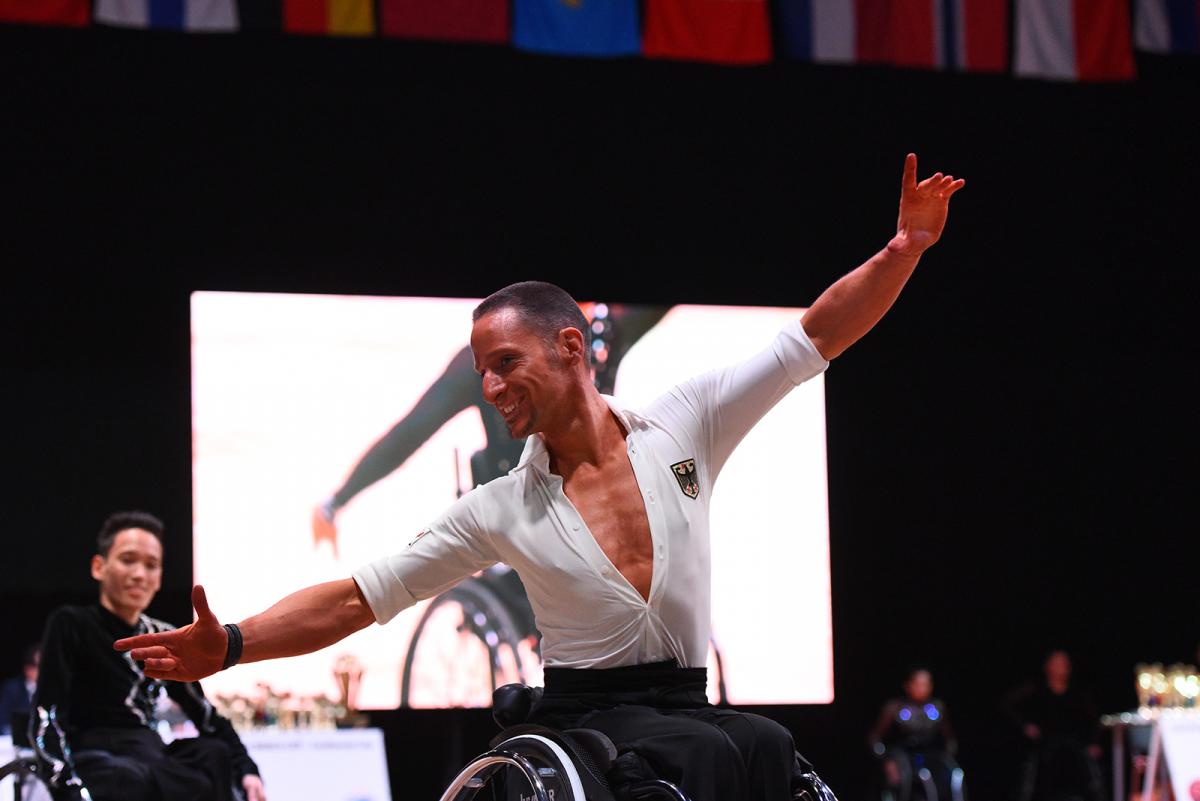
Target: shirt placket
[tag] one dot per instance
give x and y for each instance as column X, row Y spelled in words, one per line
column 645, row 474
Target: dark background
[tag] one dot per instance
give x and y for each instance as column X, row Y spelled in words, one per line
column 1008, row 450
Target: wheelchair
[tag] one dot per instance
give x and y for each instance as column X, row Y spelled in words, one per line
column 918, row 781
column 535, row 763
column 39, row 775
column 36, row 773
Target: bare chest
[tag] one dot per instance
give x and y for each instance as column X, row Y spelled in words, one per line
column 610, row 502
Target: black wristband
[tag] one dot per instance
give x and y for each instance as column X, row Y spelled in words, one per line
column 233, row 651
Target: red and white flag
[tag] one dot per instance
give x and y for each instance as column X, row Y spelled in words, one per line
column 1074, row 40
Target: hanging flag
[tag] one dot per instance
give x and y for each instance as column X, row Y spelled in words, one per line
column 943, row 34
column 724, row 31
column 173, row 15
column 1074, row 40
column 577, row 27
column 1167, row 26
column 329, row 17
column 74, row 13
column 260, row 15
column 448, row 20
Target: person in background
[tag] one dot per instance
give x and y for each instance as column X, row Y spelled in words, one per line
column 17, row 692
column 105, row 705
column 915, row 743
column 1061, row 736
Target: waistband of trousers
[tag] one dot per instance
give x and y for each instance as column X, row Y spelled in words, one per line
column 629, row 678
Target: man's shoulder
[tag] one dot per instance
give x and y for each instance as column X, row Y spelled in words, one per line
column 69, row 615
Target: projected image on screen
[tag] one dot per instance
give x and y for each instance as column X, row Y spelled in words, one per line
column 329, row 430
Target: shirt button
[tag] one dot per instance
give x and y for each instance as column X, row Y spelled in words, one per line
column 576, row 527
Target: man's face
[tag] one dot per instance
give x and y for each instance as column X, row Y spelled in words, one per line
column 131, row 573
column 919, row 686
column 523, row 376
column 1058, row 667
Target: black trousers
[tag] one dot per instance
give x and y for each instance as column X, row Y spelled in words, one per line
column 660, row 712
column 135, row 765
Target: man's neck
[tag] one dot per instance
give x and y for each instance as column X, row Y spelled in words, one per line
column 587, row 437
column 128, row 614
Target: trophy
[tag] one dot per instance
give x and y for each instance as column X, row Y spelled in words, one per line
column 348, row 673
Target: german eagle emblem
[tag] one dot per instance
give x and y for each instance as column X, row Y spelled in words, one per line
column 685, row 474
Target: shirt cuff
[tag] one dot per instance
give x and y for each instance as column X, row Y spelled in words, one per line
column 797, row 353
column 383, row 590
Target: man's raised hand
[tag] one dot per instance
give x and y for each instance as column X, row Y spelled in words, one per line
column 187, row 654
column 923, row 209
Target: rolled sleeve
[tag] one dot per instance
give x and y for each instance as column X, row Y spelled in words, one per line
column 384, row 592
column 452, row 548
column 799, row 356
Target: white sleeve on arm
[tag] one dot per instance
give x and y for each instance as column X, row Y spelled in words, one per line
column 726, row 403
column 452, row 548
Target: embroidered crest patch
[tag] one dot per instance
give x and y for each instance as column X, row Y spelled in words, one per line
column 685, row 474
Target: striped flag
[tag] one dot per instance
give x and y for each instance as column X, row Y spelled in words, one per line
column 1074, row 40
column 260, row 15
column 724, row 31
column 964, row 35
column 1167, row 26
column 329, row 17
column 447, row 20
column 577, row 27
column 173, row 15
column 75, row 13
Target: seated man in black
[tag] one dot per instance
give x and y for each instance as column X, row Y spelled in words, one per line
column 1061, row 730
column 106, row 705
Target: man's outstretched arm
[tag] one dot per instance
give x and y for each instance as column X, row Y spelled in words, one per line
column 856, row 302
column 301, row 623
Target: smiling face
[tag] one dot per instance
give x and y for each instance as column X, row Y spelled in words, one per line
column 530, row 381
column 130, row 574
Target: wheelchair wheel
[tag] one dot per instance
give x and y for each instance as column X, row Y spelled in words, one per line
column 526, row 767
column 465, row 645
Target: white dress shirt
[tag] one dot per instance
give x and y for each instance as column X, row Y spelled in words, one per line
column 589, row 615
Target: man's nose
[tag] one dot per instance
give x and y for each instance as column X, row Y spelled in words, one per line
column 493, row 386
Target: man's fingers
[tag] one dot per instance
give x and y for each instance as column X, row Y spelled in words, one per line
column 152, row 652
column 930, row 182
column 163, row 665
column 140, row 641
column 200, row 602
column 954, row 187
column 910, row 172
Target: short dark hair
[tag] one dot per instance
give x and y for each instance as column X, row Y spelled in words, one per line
column 545, row 308
column 119, row 521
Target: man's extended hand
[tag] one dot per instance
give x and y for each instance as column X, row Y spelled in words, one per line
column 185, row 654
column 923, row 209
column 253, row 786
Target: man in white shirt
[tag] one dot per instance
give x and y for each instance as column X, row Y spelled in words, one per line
column 606, row 521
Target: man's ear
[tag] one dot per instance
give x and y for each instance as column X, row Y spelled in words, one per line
column 97, row 566
column 570, row 341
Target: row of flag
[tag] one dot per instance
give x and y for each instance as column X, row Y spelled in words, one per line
column 1086, row 40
